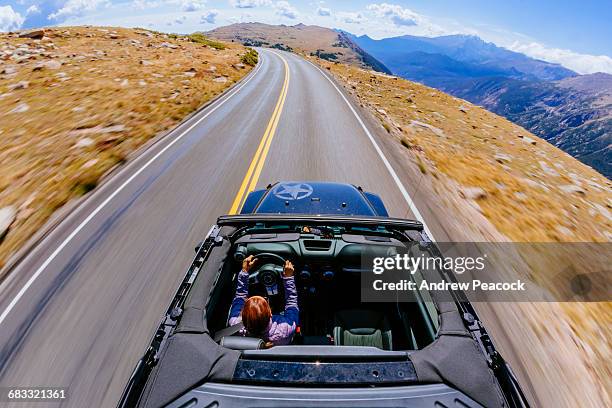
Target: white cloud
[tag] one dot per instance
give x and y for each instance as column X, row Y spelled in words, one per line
column 10, row 19
column 186, row 5
column 209, row 17
column 249, row 3
column 285, row 9
column 146, row 4
column 323, row 11
column 351, row 18
column 180, row 20
column 33, row 9
column 397, row 14
column 76, row 8
column 192, row 5
column 581, row 63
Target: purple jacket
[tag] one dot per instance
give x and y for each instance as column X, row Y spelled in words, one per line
column 281, row 327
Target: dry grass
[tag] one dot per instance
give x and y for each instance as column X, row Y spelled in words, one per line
column 105, row 92
column 528, row 191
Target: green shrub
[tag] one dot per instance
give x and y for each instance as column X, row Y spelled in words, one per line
column 201, row 39
column 250, row 58
column 254, row 43
column 282, row 47
column 86, row 182
column 329, row 56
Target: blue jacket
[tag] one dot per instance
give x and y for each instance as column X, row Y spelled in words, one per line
column 281, row 327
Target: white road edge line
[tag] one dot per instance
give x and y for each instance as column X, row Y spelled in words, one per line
column 114, row 194
column 398, row 182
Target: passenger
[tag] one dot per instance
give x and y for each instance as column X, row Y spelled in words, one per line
column 255, row 311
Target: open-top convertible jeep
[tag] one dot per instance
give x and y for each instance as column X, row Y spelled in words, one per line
column 428, row 352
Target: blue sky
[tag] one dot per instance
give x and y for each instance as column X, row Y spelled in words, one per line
column 574, row 33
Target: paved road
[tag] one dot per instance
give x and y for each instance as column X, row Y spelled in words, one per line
column 79, row 311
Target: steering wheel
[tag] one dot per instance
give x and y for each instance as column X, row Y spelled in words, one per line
column 269, row 273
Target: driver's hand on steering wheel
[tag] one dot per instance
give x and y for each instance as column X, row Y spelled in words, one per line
column 248, row 263
column 288, row 269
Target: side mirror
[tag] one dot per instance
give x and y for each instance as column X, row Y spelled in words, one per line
column 197, row 248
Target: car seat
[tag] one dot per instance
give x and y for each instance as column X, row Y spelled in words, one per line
column 362, row 327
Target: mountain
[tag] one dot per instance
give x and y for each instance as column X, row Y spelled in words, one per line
column 573, row 112
column 466, row 49
column 313, row 40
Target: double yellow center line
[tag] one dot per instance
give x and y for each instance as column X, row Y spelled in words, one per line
column 250, row 179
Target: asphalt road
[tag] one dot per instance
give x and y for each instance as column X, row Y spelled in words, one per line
column 80, row 309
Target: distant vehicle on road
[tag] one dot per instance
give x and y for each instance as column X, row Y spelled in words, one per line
column 346, row 352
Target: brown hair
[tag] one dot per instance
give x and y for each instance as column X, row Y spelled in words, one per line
column 256, row 315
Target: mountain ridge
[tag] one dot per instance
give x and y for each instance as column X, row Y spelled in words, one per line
column 571, row 111
column 465, row 48
column 310, row 39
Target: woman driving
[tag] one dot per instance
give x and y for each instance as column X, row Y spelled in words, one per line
column 255, row 312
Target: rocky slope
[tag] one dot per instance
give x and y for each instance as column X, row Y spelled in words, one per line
column 571, row 111
column 574, row 114
column 310, row 40
column 76, row 101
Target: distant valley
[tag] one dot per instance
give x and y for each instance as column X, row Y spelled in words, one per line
column 571, row 111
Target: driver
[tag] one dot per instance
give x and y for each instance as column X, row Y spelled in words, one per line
column 255, row 312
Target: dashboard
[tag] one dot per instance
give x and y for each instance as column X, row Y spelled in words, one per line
column 317, row 255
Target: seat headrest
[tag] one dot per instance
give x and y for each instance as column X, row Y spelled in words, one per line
column 360, row 318
column 241, row 343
